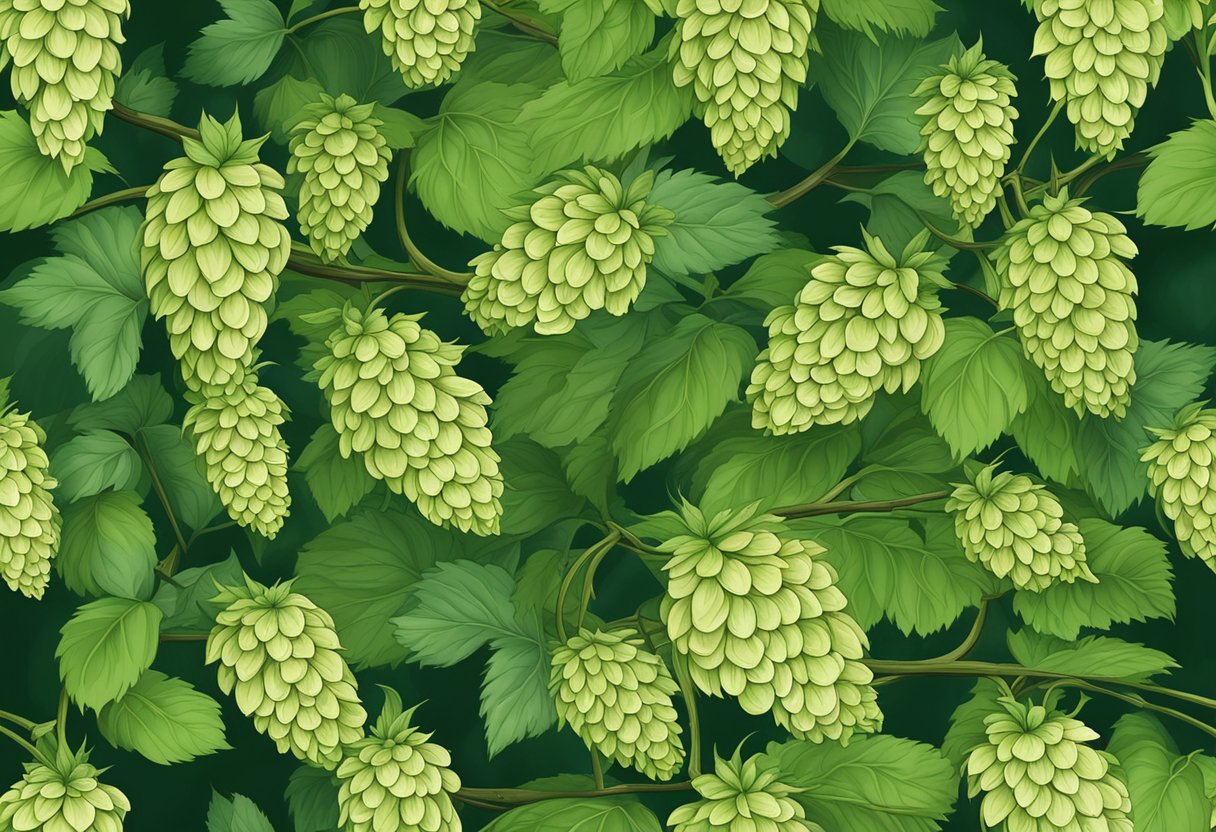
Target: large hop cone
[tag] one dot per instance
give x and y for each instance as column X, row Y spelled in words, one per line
column 1071, row 294
column 582, row 245
column 65, row 61
column 427, row 40
column 617, row 696
column 280, row 654
column 1101, row 58
column 213, row 246
column 29, row 520
column 395, row 398
column 968, row 131
column 863, row 323
column 1182, row 472
column 745, row 60
column 1037, row 775
column 761, row 618
column 65, row 797
column 394, row 779
column 343, row 157
column 742, row 796
column 236, row 435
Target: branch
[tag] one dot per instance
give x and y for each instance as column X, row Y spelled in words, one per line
column 163, row 126
column 973, row 636
column 515, row 797
column 110, row 199
column 415, row 253
column 142, row 449
column 308, row 21
column 522, row 22
column 783, row 198
column 1135, row 160
column 855, row 507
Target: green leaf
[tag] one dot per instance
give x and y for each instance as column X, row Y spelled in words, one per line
column 967, row 728
column 1095, row 656
column 1046, row 430
column 612, row 814
column 591, row 470
column 108, row 546
column 238, row 814
column 142, row 403
column 144, row 85
column 94, row 462
column 312, row 800
column 598, row 36
column 774, row 279
column 105, row 647
column 164, row 719
column 899, row 206
column 193, row 500
column 535, row 492
column 906, row 441
column 511, row 54
column 399, row 128
column 345, row 59
column 1167, row 789
column 905, row 17
column 238, row 49
column 187, row 602
column 34, row 190
column 337, row 484
column 1176, row 187
column 279, row 107
column 515, row 699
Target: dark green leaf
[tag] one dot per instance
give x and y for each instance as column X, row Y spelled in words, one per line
column 187, row 602
column 967, row 728
column 613, row 814
column 238, row 814
column 238, row 49
column 1167, row 789
column 142, row 403
column 144, row 85
column 1046, row 431
column 94, row 462
column 515, row 698
column 193, row 500
column 312, row 800
column 338, row 484
column 535, row 492
column 598, row 36
column 108, row 546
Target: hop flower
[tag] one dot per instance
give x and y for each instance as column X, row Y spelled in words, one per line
column 1180, row 18
column 64, row 797
column 742, row 796
column 968, row 131
column 395, row 779
column 1072, row 301
column 236, row 435
column 745, row 60
column 863, row 323
column 427, row 41
column 65, row 61
column 1182, row 473
column 1101, row 58
column 582, row 246
column 29, row 520
column 761, row 618
column 617, row 697
column 395, row 398
column 1037, row 774
column 213, row 246
column 280, row 653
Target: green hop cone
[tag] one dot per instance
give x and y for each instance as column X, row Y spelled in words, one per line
column 1037, row 775
column 343, row 158
column 761, row 618
column 582, row 245
column 1101, row 58
column 1182, row 475
column 1181, row 17
column 1072, row 297
column 29, row 520
column 617, row 697
column 395, row 399
column 394, row 779
column 745, row 60
column 280, row 654
column 65, row 61
column 67, row 796
column 968, row 131
column 214, row 244
column 864, row 323
column 742, row 796
column 427, row 40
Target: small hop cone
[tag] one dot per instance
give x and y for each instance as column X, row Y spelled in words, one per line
column 427, row 41
column 343, row 158
column 65, row 797
column 395, row 399
column 745, row 60
column 280, row 654
column 864, row 323
column 1037, row 775
column 617, row 697
column 968, row 132
column 1182, row 475
column 761, row 618
column 582, row 245
column 29, row 520
column 742, row 796
column 65, row 61
column 1072, row 297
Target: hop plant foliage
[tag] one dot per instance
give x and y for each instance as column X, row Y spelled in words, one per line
column 742, row 796
column 427, row 41
column 65, row 796
column 1181, row 468
column 29, row 520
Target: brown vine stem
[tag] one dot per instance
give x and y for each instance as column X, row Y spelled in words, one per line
column 856, row 506
column 164, row 126
column 522, row 22
column 110, row 199
column 415, row 253
column 516, row 797
column 1135, row 160
column 817, row 178
column 183, row 636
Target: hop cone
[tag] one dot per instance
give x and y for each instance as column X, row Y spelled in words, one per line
column 1071, row 295
column 280, row 653
column 64, row 797
column 1101, row 58
column 968, row 131
column 396, row 399
column 1038, row 776
column 582, row 245
column 236, row 435
column 617, row 697
column 343, row 157
column 29, row 520
column 862, row 324
column 761, row 618
column 213, row 246
column 65, row 61
column 427, row 40
column 742, row 796
column 1182, row 472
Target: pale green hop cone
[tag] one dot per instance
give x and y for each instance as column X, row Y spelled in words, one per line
column 427, row 40
column 1182, row 475
column 742, row 796
column 29, row 520
column 65, row 797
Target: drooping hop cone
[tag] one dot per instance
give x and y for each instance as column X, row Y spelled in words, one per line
column 864, row 323
column 394, row 779
column 29, row 520
column 616, row 695
column 396, row 400
column 1101, row 58
column 427, row 40
column 582, row 245
column 1072, row 298
column 968, row 131
column 1037, row 775
column 742, row 796
column 1015, row 528
column 280, row 657
column 214, row 244
column 1182, row 474
column 760, row 618
column 65, row 797
column 343, row 158
column 745, row 60
column 65, row 60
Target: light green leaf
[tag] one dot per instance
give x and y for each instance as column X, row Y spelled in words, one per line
column 535, row 493
column 515, row 699
column 598, row 36
column 94, row 462
column 1181, row 16
column 108, row 546
column 238, row 814
column 613, row 814
column 145, row 85
column 142, row 403
column 34, row 190
column 312, row 800
column 1167, row 789
column 967, row 728
column 905, row 17
column 193, row 500
column 105, row 647
column 1176, row 187
column 187, row 602
column 1046, row 430
column 238, row 49
column 164, row 719
column 1094, row 656
column 336, row 483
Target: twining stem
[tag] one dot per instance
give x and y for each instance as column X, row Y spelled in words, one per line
column 597, row 769
column 1204, row 65
column 317, row 18
column 1140, row 702
column 521, row 796
column 783, row 198
column 183, row 636
column 125, row 195
column 591, row 554
column 61, row 718
column 150, row 464
column 973, row 636
column 1030, row 148
column 34, row 752
column 979, row 293
column 16, row 719
column 1135, row 160
column 522, row 22
column 856, row 506
column 164, row 126
column 954, row 242
column 684, row 679
column 415, row 253
column 589, row 581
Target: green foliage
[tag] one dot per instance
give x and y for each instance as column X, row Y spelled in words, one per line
column 35, row 190
column 144, row 85
column 967, row 728
column 239, row 48
column 312, row 800
column 109, row 546
column 914, row 17
column 105, row 647
column 1166, row 787
column 235, row 814
column 164, row 719
column 95, row 462
column 598, row 36
column 1175, row 186
column 612, row 815
column 1102, row 656
column 338, row 483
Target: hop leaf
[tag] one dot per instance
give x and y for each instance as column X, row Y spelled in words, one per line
column 427, row 41
column 1181, row 465
column 29, row 520
column 741, row 796
column 65, row 796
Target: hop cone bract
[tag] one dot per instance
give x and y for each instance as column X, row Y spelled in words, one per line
column 65, row 797
column 1071, row 294
column 1182, row 473
column 427, row 40
column 863, row 323
column 29, row 520
column 742, row 796
column 280, row 654
column 761, row 618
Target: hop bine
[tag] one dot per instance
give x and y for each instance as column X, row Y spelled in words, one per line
column 29, row 520
column 427, row 41
column 66, row 796
column 1182, row 474
column 742, row 796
